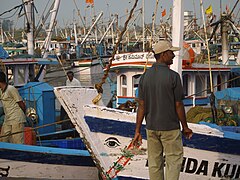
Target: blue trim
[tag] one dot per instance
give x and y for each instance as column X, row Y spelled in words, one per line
column 231, row 132
column 43, row 61
column 127, row 178
column 41, row 149
column 200, row 101
column 122, row 100
column 73, row 143
column 198, row 141
column 45, row 155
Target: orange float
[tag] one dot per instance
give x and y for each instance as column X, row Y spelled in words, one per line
column 188, row 55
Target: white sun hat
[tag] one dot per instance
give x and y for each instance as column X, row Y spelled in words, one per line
column 162, row 46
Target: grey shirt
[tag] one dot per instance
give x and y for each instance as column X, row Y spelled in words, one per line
column 160, row 88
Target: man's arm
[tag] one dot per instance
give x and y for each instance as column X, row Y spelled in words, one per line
column 182, row 118
column 137, row 140
column 22, row 106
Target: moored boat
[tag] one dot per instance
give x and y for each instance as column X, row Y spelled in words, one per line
column 28, row 161
column 210, row 154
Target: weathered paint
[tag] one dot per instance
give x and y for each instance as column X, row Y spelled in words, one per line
column 108, row 131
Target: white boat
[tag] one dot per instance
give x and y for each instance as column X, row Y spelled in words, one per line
column 107, row 132
column 28, row 161
column 128, row 67
column 210, row 154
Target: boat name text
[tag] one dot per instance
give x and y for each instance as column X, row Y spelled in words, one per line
column 219, row 169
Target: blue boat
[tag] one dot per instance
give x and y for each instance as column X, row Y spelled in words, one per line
column 49, row 152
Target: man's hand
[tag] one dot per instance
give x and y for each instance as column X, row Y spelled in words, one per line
column 187, row 133
column 137, row 140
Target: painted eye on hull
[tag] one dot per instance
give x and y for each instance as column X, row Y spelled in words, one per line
column 112, row 142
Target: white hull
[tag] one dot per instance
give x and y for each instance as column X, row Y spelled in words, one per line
column 30, row 161
column 48, row 171
column 109, row 131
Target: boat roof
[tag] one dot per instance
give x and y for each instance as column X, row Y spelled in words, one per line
column 19, row 61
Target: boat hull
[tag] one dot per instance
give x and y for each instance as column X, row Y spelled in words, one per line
column 26, row 161
column 208, row 155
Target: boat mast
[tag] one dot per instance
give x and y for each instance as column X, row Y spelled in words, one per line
column 224, row 41
column 30, row 25
column 143, row 23
column 177, row 34
column 89, row 31
column 75, row 31
column 54, row 12
column 2, row 36
column 153, row 22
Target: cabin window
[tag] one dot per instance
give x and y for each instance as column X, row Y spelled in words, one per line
column 200, row 85
column 135, row 80
column 193, row 45
column 185, row 84
column 123, row 80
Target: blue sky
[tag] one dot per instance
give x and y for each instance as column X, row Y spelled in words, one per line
column 68, row 8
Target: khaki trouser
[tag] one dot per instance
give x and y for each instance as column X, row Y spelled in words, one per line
column 169, row 143
column 8, row 130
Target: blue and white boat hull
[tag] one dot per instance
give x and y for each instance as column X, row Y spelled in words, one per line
column 27, row 161
column 210, row 154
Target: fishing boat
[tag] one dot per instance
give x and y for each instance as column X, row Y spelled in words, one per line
column 108, row 132
column 128, row 68
column 91, row 52
column 29, row 161
column 48, row 151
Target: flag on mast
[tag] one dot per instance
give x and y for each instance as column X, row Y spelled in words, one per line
column 90, row 1
column 209, row 10
column 164, row 13
column 227, row 9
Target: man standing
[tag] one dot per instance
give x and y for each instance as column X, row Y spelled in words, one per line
column 72, row 81
column 160, row 102
column 14, row 109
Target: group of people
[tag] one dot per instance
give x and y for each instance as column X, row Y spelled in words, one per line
column 12, row 127
column 160, row 98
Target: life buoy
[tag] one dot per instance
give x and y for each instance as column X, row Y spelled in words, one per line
column 188, row 55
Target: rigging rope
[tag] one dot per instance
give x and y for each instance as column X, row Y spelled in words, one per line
column 38, row 127
column 99, row 85
column 16, row 7
column 214, row 111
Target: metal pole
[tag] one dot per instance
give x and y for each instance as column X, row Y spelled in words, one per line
column 143, row 23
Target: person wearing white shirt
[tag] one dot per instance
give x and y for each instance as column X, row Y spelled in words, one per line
column 72, row 81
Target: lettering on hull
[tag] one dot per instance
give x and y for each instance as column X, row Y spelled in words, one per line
column 218, row 170
column 4, row 171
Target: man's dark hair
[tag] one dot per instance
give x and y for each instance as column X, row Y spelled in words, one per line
column 70, row 72
column 3, row 77
column 157, row 56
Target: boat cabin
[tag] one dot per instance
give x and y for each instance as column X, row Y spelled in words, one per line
column 195, row 77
